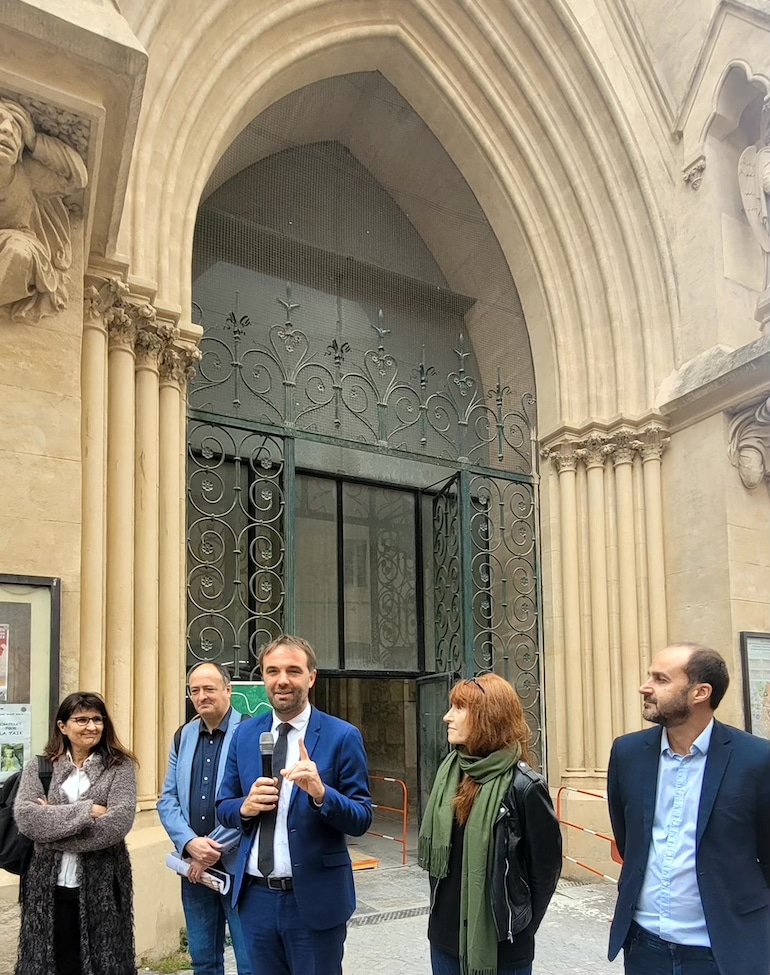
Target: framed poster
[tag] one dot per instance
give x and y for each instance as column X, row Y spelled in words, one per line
column 30, row 613
column 755, row 658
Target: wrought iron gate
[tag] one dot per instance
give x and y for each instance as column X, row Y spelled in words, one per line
column 261, row 390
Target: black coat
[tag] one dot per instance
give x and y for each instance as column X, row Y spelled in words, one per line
column 526, row 857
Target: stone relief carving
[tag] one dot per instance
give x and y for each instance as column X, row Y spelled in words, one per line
column 749, row 444
column 37, row 173
column 754, row 183
column 693, row 174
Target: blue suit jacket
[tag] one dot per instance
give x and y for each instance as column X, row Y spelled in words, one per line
column 323, row 876
column 732, row 840
column 174, row 801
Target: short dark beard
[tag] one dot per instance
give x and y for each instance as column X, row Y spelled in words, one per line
column 676, row 711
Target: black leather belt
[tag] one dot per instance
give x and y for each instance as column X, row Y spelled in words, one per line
column 272, row 883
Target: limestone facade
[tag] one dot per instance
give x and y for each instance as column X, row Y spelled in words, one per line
column 620, row 167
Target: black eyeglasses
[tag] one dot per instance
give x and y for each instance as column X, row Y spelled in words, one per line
column 83, row 722
column 472, row 680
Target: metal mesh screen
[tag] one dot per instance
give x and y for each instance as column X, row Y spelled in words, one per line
column 350, row 285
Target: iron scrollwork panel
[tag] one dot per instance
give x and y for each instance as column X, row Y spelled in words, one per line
column 235, row 544
column 505, row 588
column 447, row 580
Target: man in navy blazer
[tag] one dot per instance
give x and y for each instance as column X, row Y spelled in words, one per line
column 690, row 806
column 293, row 881
column 196, row 766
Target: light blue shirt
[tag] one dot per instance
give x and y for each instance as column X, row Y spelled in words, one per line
column 669, row 902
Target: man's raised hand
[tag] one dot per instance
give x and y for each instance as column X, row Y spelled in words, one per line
column 304, row 774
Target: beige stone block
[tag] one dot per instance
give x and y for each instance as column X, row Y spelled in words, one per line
column 39, row 488
column 36, row 421
column 744, row 544
column 41, row 357
column 751, row 616
column 750, row 582
column 747, row 509
column 9, row 921
column 158, row 915
column 34, row 546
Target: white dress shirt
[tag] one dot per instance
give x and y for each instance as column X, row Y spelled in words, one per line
column 74, row 787
column 281, row 855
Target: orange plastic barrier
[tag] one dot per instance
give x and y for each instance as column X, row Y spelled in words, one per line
column 396, row 809
column 614, row 852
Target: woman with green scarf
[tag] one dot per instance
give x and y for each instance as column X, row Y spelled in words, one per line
column 489, row 838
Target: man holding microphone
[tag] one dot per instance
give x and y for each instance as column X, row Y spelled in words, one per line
column 293, row 882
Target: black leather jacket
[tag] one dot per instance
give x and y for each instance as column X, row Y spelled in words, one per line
column 526, row 859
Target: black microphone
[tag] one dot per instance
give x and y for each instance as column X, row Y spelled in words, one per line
column 266, row 746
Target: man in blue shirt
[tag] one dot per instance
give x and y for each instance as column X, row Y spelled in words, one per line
column 186, row 808
column 690, row 806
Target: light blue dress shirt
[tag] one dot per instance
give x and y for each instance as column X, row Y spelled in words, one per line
column 669, row 902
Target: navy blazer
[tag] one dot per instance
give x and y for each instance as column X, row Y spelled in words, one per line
column 323, row 875
column 732, row 840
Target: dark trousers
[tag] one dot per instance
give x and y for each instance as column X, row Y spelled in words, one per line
column 278, row 941
column 66, row 931
column 647, row 954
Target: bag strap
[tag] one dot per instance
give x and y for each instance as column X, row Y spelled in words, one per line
column 44, row 771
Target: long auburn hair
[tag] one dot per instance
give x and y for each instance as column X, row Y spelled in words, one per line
column 495, row 721
column 109, row 746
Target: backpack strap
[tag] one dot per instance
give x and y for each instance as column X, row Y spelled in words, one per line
column 44, row 771
column 178, row 738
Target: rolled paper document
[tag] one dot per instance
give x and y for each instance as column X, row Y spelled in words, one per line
column 217, row 880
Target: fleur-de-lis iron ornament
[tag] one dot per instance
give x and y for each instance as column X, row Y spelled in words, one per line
column 365, row 397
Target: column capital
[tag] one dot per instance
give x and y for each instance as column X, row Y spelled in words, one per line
column 626, row 446
column 620, row 441
column 152, row 336
column 595, row 450
column 178, row 364
column 121, row 328
column 653, row 441
column 101, row 296
column 563, row 456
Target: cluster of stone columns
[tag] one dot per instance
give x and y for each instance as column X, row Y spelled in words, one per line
column 610, row 598
column 134, row 377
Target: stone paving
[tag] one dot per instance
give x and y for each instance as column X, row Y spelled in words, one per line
column 386, row 935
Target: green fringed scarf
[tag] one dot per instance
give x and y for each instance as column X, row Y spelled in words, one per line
column 478, row 937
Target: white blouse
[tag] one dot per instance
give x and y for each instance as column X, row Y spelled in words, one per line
column 74, row 788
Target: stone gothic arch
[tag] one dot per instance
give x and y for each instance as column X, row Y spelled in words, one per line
column 533, row 129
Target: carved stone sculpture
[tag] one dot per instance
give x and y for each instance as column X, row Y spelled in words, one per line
column 749, row 448
column 37, row 173
column 754, row 182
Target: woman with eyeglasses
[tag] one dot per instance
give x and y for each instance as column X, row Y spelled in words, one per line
column 489, row 838
column 77, row 895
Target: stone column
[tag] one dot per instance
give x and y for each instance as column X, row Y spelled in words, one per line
column 120, row 521
column 176, row 364
column 566, row 464
column 652, row 447
column 623, row 460
column 596, row 451
column 150, row 340
column 101, row 296
column 613, row 580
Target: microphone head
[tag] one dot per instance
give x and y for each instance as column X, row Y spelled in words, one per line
column 266, row 743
